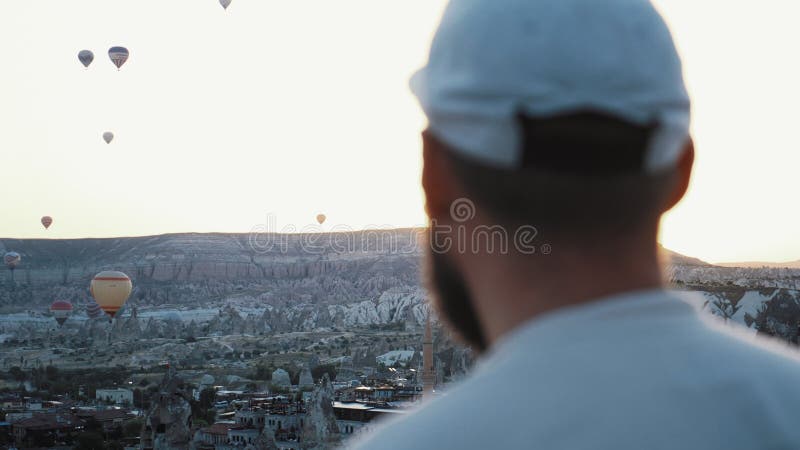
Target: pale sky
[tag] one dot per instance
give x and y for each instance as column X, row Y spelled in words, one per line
column 290, row 108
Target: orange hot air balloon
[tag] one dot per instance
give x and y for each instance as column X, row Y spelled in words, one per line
column 47, row 221
column 321, row 218
column 61, row 311
column 111, row 290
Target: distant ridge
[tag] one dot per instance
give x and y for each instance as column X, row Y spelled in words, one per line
column 758, row 265
column 228, row 247
column 682, row 260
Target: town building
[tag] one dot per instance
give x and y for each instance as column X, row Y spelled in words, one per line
column 108, row 419
column 46, row 430
column 240, row 436
column 357, row 417
column 213, row 436
column 117, row 396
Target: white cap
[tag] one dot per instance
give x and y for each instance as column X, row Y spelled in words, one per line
column 493, row 59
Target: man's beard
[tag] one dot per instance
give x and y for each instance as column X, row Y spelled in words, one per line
column 453, row 301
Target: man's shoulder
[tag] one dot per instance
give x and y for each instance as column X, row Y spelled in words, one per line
column 442, row 422
column 753, row 406
column 701, row 376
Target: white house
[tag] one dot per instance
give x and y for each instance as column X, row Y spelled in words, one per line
column 117, row 396
column 243, row 436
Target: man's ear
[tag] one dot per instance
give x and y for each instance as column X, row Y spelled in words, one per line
column 684, row 176
column 437, row 178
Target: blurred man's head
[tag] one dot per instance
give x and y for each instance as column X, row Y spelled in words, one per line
column 569, row 117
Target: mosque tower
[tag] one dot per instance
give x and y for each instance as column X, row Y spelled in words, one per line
column 428, row 371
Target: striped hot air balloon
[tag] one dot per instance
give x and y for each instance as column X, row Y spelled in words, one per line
column 47, row 221
column 118, row 56
column 93, row 310
column 111, row 290
column 61, row 311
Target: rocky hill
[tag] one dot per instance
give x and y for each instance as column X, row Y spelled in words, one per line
column 760, row 265
column 281, row 282
column 342, row 279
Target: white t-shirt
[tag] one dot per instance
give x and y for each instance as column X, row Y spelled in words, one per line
column 638, row 371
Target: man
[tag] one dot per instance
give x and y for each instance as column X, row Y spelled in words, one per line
column 562, row 126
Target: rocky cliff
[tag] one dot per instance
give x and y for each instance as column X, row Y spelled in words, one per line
column 257, row 283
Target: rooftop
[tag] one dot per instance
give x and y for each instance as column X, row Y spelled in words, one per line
column 219, row 429
column 105, row 415
column 49, row 422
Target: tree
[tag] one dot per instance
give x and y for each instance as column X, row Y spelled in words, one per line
column 725, row 308
column 114, row 445
column 210, row 416
column 138, row 398
column 89, row 441
column 318, row 371
column 18, row 374
column 263, row 372
column 762, row 321
column 51, row 372
column 207, row 397
column 275, row 389
column 132, row 428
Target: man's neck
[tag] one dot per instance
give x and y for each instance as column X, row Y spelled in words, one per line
column 509, row 291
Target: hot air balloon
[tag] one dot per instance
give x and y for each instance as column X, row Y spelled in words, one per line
column 12, row 260
column 321, row 218
column 93, row 310
column 118, row 56
column 108, row 137
column 225, row 3
column 47, row 221
column 61, row 311
column 111, row 290
column 85, row 57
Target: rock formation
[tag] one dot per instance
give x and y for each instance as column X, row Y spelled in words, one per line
column 168, row 424
column 320, row 431
column 280, row 379
column 306, row 379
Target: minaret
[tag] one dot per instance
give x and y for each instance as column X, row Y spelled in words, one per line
column 428, row 371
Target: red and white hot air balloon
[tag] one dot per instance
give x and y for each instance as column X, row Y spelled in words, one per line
column 111, row 290
column 12, row 260
column 47, row 221
column 61, row 310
